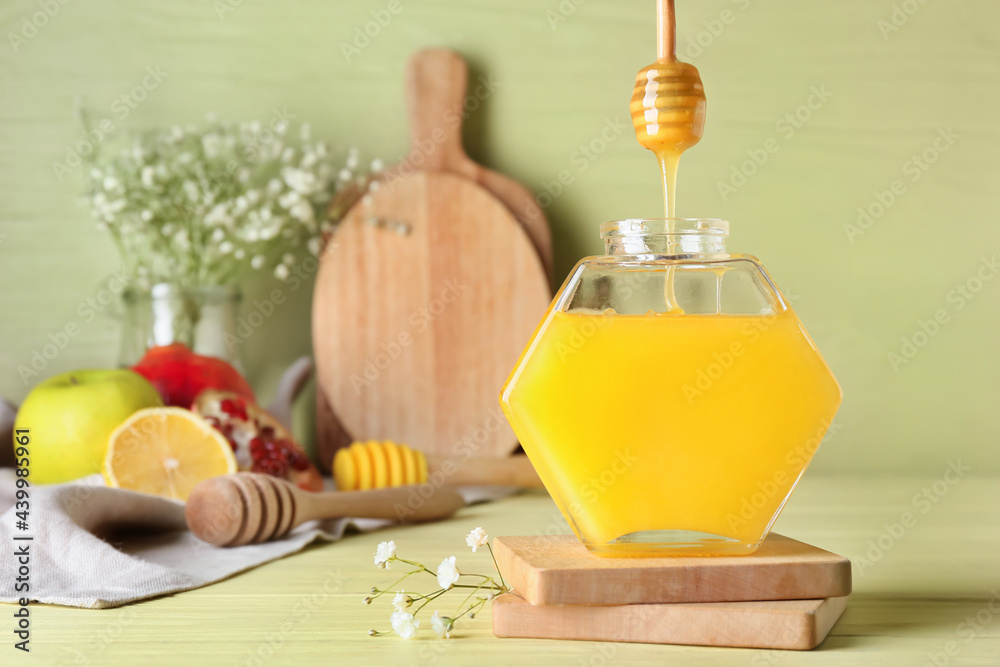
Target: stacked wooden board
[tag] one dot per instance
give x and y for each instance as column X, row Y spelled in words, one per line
column 786, row 595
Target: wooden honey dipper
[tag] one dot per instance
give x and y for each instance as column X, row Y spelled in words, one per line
column 668, row 104
column 249, row 508
column 380, row 464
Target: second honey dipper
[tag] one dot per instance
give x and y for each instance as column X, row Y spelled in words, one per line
column 381, row 464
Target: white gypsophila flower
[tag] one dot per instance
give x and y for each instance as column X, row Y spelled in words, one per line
column 352, row 160
column 287, row 154
column 442, row 625
column 288, row 258
column 383, row 552
column 218, row 235
column 377, row 165
column 309, row 160
column 477, row 538
column 211, row 143
column 253, row 196
column 241, row 203
column 374, row 185
column 146, row 215
column 147, row 175
column 289, row 199
column 401, row 601
column 281, row 272
column 447, row 573
column 219, row 215
column 167, row 229
column 257, row 261
column 182, row 240
column 298, row 180
column 239, row 254
column 176, row 132
column 225, row 247
column 321, row 149
column 274, row 186
column 314, row 245
column 252, row 235
column 111, row 183
column 345, row 174
column 191, row 190
column 403, row 624
column 302, row 211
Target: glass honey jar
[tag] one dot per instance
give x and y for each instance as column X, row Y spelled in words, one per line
column 670, row 398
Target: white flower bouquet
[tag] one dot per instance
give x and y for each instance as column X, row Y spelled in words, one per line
column 203, row 206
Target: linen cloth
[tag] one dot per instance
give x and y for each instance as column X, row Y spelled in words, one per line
column 96, row 547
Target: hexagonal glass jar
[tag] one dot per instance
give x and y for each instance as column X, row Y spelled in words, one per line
column 670, row 399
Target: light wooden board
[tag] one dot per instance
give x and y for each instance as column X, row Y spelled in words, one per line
column 558, row 570
column 786, row 624
column 306, row 609
column 436, row 92
column 415, row 333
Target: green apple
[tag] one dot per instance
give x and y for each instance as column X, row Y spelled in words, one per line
column 71, row 416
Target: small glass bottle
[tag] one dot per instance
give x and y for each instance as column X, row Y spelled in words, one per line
column 670, row 399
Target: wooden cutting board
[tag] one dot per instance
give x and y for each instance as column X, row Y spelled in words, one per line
column 436, row 86
column 558, row 570
column 426, row 294
column 784, row 624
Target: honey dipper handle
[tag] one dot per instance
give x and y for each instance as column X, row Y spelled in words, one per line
column 402, row 503
column 511, row 471
column 435, row 91
column 666, row 31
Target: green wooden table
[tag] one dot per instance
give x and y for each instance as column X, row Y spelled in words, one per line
column 926, row 592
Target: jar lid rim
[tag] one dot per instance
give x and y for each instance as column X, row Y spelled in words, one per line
column 664, row 226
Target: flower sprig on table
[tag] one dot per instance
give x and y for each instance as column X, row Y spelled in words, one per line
column 407, row 604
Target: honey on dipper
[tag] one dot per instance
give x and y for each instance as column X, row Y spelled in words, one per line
column 668, row 105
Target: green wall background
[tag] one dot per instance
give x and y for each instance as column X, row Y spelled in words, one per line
column 891, row 80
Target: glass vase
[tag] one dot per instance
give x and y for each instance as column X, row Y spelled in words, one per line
column 202, row 318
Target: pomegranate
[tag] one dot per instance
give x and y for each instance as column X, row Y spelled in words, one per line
column 179, row 374
column 259, row 440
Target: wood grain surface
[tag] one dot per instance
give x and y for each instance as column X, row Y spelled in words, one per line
column 414, row 333
column 785, row 624
column 306, row 609
column 558, row 570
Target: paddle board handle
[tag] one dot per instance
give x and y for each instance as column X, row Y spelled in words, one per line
column 435, row 95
